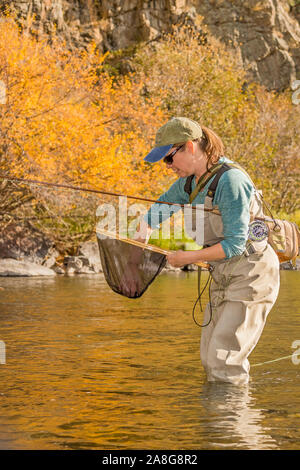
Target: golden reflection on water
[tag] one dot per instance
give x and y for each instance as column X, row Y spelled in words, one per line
column 87, row 368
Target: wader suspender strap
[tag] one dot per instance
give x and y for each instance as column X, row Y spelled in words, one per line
column 213, row 186
column 202, row 181
column 220, row 169
column 217, row 170
column 188, row 184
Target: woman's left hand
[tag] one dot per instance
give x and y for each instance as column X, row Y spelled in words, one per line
column 179, row 258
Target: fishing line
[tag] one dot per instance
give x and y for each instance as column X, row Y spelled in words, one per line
column 274, row 360
column 221, row 285
column 208, row 282
column 15, row 217
column 98, row 191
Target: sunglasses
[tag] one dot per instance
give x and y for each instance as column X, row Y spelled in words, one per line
column 169, row 158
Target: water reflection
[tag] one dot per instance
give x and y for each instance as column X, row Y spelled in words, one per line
column 86, row 368
column 232, row 417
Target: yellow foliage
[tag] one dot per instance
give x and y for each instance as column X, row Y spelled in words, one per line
column 65, row 120
column 260, row 129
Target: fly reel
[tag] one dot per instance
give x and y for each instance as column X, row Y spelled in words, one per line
column 258, row 231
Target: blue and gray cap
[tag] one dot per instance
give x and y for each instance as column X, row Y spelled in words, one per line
column 177, row 130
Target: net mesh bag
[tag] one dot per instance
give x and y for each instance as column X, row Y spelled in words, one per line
column 129, row 270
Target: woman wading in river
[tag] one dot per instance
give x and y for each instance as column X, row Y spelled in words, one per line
column 245, row 273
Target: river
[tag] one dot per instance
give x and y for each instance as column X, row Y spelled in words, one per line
column 85, row 368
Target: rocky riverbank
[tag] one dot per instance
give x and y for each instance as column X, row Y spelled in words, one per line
column 24, row 251
column 86, row 262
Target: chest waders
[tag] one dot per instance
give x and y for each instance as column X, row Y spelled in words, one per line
column 243, row 290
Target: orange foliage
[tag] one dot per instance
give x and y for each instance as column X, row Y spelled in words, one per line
column 65, row 120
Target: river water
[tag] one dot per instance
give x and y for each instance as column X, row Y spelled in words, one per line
column 85, row 368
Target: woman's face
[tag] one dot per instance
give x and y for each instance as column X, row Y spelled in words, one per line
column 185, row 160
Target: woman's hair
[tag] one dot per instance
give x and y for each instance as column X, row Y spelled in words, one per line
column 211, row 144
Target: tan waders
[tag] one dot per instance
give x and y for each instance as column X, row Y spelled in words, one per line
column 243, row 291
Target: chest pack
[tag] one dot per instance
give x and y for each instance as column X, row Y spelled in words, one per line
column 283, row 235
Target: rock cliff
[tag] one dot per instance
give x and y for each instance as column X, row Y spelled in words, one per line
column 264, row 33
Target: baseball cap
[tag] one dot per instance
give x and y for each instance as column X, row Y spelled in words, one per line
column 177, row 129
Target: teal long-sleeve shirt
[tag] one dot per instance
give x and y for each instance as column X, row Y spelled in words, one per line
column 233, row 195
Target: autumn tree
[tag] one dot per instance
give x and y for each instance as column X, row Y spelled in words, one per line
column 65, row 120
column 206, row 82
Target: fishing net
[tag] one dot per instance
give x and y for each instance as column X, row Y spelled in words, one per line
column 129, row 270
column 68, row 220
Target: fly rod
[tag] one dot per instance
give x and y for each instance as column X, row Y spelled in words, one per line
column 98, row 191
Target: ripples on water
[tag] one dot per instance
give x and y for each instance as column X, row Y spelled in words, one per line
column 88, row 369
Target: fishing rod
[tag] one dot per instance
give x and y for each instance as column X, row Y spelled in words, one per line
column 98, row 191
column 48, row 217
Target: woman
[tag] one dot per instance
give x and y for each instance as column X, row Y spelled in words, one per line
column 245, row 275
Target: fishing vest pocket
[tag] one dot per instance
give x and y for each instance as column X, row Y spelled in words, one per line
column 284, row 237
